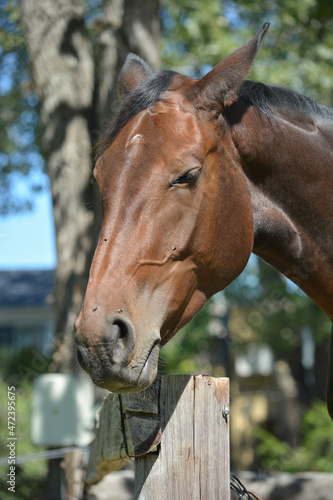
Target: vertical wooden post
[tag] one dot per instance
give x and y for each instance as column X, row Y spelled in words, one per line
column 183, row 416
column 193, row 461
column 74, row 474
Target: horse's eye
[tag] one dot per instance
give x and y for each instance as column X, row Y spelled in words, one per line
column 190, row 178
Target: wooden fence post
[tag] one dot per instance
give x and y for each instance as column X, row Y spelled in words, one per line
column 186, row 416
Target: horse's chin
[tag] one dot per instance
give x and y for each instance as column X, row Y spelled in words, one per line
column 132, row 378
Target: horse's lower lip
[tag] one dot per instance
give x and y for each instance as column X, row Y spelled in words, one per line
column 134, row 377
column 150, row 357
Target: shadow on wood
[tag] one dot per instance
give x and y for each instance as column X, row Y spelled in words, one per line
column 184, row 415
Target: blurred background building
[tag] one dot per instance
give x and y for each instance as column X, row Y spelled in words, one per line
column 26, row 310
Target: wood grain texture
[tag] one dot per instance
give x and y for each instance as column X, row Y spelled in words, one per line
column 107, row 452
column 193, row 461
column 128, row 426
column 74, row 474
column 141, row 421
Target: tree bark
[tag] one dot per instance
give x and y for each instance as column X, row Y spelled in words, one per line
column 127, row 26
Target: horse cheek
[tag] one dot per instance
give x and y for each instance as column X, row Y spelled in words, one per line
column 234, row 233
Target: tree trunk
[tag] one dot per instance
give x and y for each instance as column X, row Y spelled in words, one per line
column 127, row 26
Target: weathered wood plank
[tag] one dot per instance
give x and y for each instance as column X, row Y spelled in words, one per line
column 128, row 426
column 141, row 421
column 173, row 469
column 211, row 438
column 193, row 461
column 74, row 474
column 107, row 452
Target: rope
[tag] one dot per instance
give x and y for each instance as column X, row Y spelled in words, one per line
column 238, row 487
column 124, row 444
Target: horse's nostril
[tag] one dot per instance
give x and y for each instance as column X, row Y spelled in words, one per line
column 118, row 331
column 123, row 329
column 122, row 339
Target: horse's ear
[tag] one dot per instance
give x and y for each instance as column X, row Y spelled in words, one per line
column 221, row 85
column 134, row 71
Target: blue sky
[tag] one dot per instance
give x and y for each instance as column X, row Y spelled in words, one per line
column 27, row 240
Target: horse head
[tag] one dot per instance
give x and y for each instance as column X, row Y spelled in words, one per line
column 177, row 224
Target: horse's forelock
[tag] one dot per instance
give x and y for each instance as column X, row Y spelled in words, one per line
column 142, row 97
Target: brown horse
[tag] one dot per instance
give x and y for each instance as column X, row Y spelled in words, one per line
column 194, row 175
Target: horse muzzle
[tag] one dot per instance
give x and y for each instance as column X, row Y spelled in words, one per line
column 108, row 352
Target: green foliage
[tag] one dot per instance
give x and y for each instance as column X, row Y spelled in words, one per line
column 276, row 309
column 195, row 35
column 18, row 369
column 23, row 365
column 27, row 486
column 19, row 137
column 299, row 45
column 315, row 452
column 187, row 351
column 297, row 51
column 197, row 349
column 30, row 477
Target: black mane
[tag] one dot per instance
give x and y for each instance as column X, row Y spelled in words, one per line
column 267, row 97
column 142, row 97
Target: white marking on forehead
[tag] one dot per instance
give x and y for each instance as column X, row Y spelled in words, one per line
column 133, row 145
column 134, row 142
column 135, row 138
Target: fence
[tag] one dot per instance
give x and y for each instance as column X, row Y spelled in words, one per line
column 178, row 432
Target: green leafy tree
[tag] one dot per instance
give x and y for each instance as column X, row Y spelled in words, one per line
column 20, row 159
column 315, row 452
column 29, row 477
column 297, row 52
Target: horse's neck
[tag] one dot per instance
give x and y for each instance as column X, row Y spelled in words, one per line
column 289, row 170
